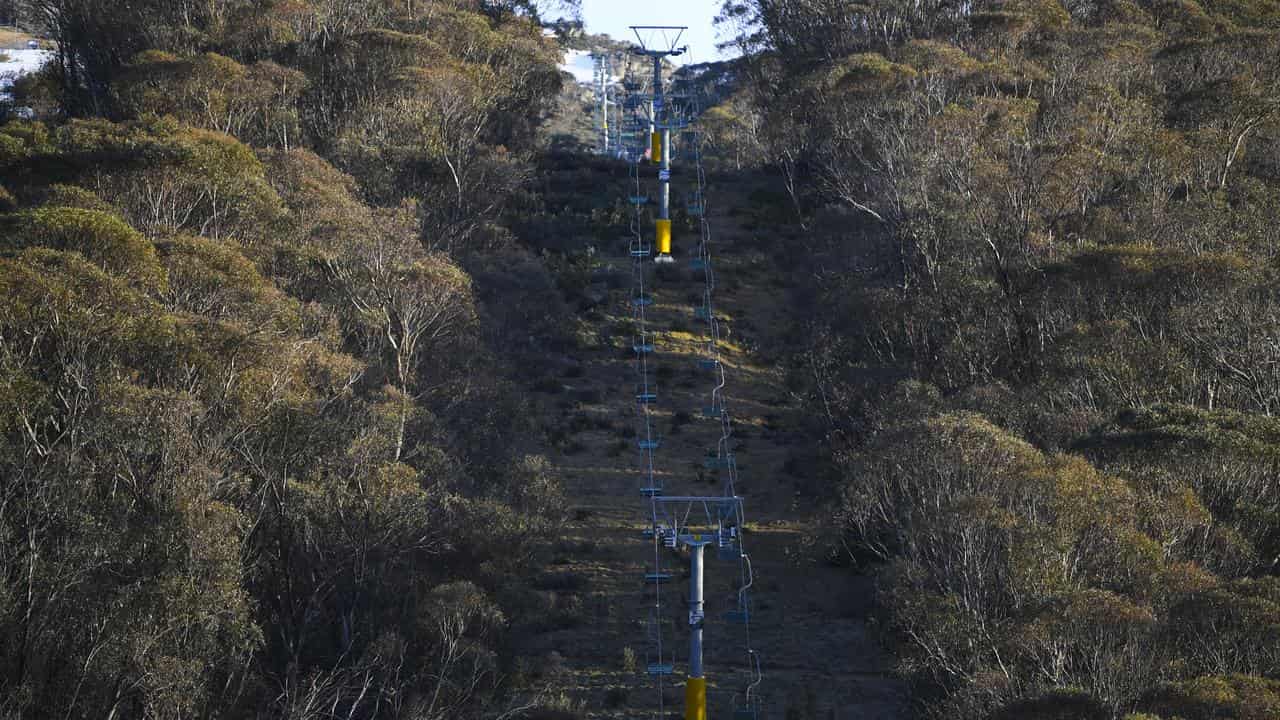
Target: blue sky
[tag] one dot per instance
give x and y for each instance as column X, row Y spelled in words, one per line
column 616, row 16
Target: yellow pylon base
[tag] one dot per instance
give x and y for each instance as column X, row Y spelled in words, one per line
column 695, row 699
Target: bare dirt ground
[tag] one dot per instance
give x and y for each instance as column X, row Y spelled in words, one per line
column 821, row 658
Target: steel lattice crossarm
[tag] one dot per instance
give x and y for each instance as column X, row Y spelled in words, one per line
column 659, row 40
column 679, row 513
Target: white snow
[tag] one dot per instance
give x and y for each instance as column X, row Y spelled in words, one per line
column 579, row 64
column 20, row 62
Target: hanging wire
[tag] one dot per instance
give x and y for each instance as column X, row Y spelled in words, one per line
column 725, row 457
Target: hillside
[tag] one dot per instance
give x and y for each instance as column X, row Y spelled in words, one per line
column 320, row 390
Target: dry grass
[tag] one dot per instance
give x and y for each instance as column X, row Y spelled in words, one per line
column 11, row 39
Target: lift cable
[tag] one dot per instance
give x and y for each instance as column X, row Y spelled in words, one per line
column 750, row 707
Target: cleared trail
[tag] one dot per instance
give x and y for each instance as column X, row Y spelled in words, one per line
column 810, row 619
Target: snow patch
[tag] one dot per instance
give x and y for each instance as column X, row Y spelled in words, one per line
column 582, row 67
column 579, row 64
column 20, row 62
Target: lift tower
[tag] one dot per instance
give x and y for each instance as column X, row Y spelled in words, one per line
column 696, row 522
column 660, row 150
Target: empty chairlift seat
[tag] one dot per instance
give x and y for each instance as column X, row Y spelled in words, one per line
column 660, row 530
column 727, row 545
column 643, row 347
column 739, row 616
column 717, row 463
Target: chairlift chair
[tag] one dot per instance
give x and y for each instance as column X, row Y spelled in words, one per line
column 717, row 463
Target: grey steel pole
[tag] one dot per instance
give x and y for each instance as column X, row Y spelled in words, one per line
column 660, row 116
column 604, row 102
column 695, row 687
column 665, row 210
column 695, row 610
